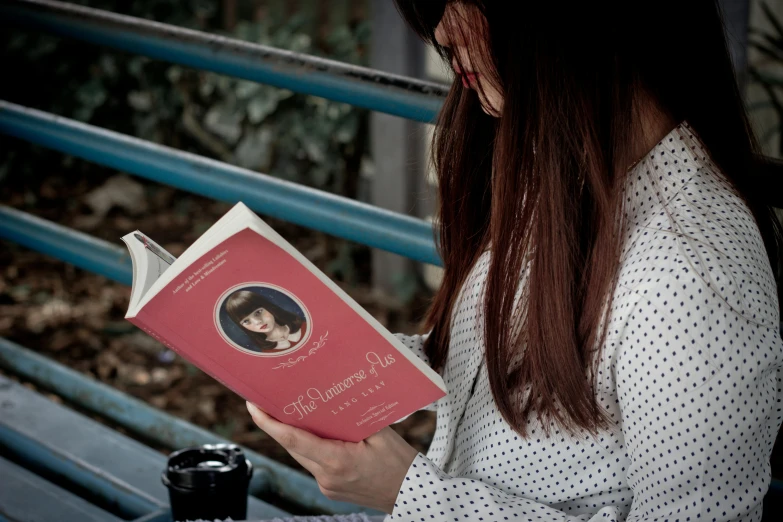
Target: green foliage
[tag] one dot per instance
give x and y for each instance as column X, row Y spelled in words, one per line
column 770, row 46
column 300, row 138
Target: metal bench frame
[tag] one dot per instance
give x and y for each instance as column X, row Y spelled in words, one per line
column 58, row 464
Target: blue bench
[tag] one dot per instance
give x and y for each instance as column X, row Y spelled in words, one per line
column 92, row 460
column 59, row 464
column 61, row 456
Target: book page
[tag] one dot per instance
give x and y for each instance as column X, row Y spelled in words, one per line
column 233, row 221
column 150, row 261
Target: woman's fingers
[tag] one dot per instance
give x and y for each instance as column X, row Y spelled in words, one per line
column 298, row 442
column 368, row 472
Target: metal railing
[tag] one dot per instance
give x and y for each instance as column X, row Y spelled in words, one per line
column 270, row 196
column 339, row 216
column 359, row 86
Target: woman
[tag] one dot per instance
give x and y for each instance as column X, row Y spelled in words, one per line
column 594, row 163
column 269, row 327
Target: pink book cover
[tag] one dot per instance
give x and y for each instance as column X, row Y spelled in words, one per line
column 256, row 319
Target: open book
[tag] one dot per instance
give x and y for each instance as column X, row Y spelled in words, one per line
column 251, row 311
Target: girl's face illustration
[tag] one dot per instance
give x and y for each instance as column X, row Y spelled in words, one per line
column 259, row 320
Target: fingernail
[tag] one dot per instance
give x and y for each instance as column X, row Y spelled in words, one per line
column 252, row 408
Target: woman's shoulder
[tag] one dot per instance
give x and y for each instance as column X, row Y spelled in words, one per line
column 696, row 240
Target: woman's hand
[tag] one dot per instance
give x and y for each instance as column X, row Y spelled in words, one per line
column 368, row 473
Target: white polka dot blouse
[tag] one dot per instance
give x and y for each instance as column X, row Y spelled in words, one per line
column 691, row 374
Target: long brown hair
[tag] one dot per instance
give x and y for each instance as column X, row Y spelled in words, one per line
column 545, row 175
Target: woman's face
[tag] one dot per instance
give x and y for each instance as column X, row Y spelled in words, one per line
column 460, row 30
column 259, row 320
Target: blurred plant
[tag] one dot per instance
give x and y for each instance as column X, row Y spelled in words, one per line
column 769, row 73
column 300, row 138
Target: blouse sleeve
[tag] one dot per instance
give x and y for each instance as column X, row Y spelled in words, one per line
column 697, row 385
column 416, row 345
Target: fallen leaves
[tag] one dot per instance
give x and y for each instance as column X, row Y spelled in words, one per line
column 119, row 191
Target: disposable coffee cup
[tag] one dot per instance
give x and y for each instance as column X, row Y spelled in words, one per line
column 208, row 482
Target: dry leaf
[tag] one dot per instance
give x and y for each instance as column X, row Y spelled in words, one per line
column 50, row 314
column 140, row 377
column 107, row 365
column 207, row 408
column 159, row 401
column 61, row 339
column 118, row 191
column 160, row 375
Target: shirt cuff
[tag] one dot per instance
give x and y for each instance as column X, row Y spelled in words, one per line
column 416, row 488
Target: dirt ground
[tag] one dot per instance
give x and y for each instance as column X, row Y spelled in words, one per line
column 76, row 317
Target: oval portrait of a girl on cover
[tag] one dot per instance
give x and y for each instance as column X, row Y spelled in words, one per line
column 262, row 319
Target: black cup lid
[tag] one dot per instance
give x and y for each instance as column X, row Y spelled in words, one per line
column 207, row 466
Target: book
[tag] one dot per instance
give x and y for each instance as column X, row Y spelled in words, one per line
column 247, row 308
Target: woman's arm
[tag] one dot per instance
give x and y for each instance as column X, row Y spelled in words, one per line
column 699, row 391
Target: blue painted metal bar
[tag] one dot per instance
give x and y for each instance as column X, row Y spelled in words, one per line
column 160, row 427
column 360, row 86
column 74, row 247
column 61, row 444
column 336, row 215
column 97, row 481
column 26, row 496
column 34, row 429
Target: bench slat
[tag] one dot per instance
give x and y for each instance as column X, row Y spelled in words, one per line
column 292, row 486
column 26, row 496
column 120, row 470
